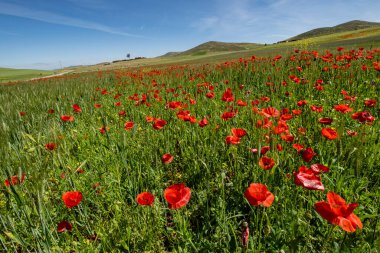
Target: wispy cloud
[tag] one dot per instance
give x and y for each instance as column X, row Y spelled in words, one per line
column 231, row 19
column 9, row 33
column 53, row 18
column 271, row 20
column 92, row 4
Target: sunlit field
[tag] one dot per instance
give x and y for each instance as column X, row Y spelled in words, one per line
column 257, row 154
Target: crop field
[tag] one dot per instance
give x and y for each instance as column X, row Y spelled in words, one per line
column 257, row 154
column 7, row 75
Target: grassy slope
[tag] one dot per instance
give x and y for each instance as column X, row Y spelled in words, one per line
column 215, row 46
column 125, row 163
column 345, row 27
column 7, row 74
column 212, row 52
column 367, row 38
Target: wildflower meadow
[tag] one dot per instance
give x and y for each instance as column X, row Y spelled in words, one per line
column 260, row 154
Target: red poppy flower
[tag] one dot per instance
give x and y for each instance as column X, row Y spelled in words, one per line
column 281, row 127
column 149, row 119
column 277, row 57
column 297, row 146
column 338, row 212
column 228, row 96
column 145, row 199
column 319, row 168
column 363, row 116
column 22, row 114
column 177, row 195
column 302, row 130
column 103, row 129
column 315, row 108
column 167, row 158
column 185, row 116
column 77, row 108
column 118, row 103
column 241, row 103
column 227, row 115
column 270, row 112
column 307, row 179
column 67, row 118
column 343, row 108
column 370, row 102
column 14, row 180
column 159, row 123
column 239, row 132
column 51, row 111
column 264, row 150
column 329, row 133
column 97, row 105
column 266, row 162
column 266, row 124
column 295, row 79
column 50, row 146
column 64, row 226
column 231, row 139
column 296, row 112
column 286, row 117
column 210, row 95
column 325, row 121
column 122, row 113
column 258, row 194
column 72, row 199
column 175, row 105
column 352, row 133
column 307, row 154
column 128, row 125
column 287, row 137
column 203, row 122
column 302, row 103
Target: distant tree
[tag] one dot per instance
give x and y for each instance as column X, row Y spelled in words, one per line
column 129, row 56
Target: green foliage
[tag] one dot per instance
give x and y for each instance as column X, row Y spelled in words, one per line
column 111, row 169
column 7, row 74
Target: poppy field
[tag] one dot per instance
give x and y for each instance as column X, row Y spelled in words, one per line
column 260, row 154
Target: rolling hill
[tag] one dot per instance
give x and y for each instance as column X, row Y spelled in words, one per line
column 216, row 46
column 353, row 34
column 345, row 27
column 8, row 74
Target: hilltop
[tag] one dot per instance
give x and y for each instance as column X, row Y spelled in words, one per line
column 345, row 27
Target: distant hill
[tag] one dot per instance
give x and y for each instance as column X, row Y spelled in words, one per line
column 170, row 54
column 214, row 47
column 345, row 27
column 8, row 74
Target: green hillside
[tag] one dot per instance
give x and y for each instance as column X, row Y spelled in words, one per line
column 345, row 27
column 214, row 52
column 8, row 74
column 216, row 46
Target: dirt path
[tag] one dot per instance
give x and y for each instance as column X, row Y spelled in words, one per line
column 50, row 76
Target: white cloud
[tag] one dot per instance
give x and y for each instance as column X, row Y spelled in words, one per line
column 49, row 17
column 268, row 21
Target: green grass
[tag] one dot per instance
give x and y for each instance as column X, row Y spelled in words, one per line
column 112, row 168
column 368, row 38
column 215, row 46
column 345, row 27
column 7, row 74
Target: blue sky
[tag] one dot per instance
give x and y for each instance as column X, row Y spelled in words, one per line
column 48, row 34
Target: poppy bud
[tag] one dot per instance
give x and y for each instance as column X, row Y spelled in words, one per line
column 245, row 234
